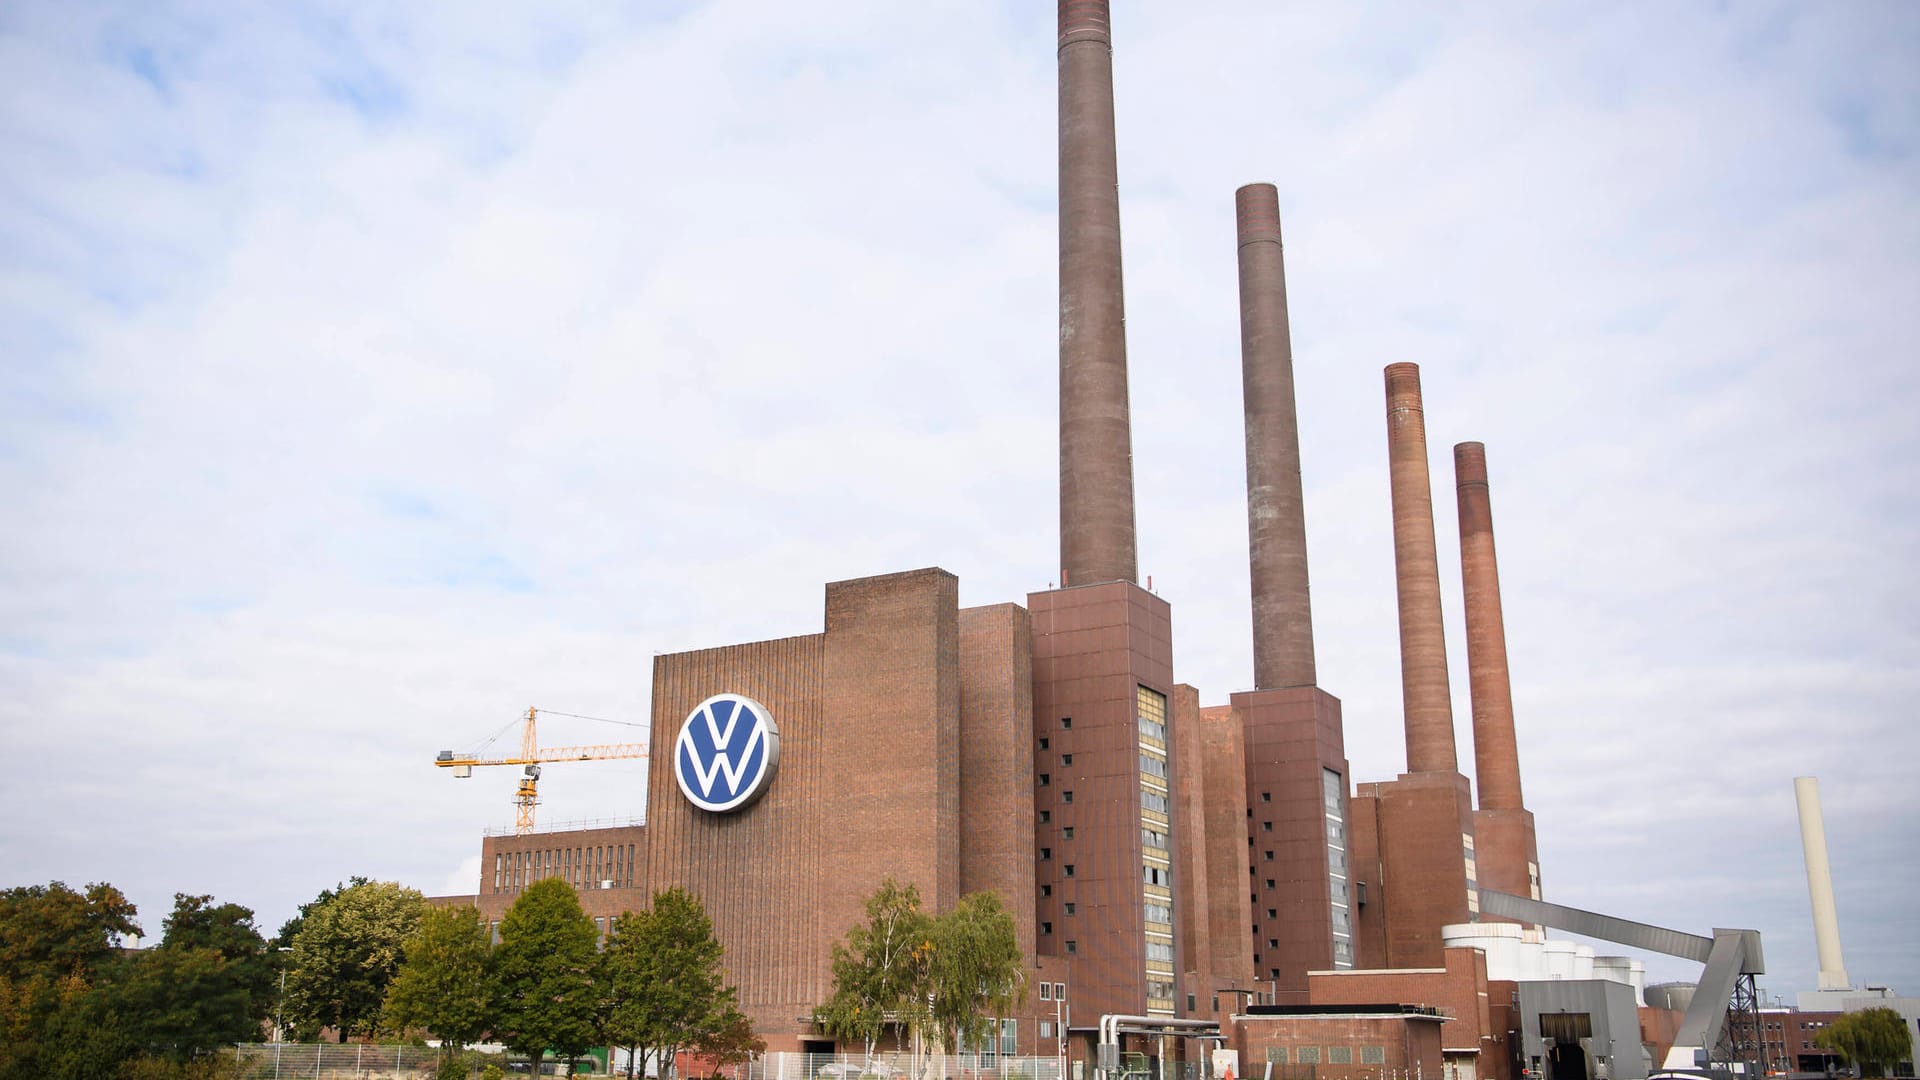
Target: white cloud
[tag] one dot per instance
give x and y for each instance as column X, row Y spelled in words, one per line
column 371, row 376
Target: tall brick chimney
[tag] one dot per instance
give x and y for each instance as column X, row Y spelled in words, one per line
column 1423, row 644
column 1276, row 515
column 1096, row 441
column 1496, row 754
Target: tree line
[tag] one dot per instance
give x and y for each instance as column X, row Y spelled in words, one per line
column 365, row 960
column 372, row 959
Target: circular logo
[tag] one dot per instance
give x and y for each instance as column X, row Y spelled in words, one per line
column 727, row 753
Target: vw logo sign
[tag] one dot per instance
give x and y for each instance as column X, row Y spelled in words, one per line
column 727, row 753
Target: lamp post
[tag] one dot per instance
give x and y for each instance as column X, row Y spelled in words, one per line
column 279, row 1009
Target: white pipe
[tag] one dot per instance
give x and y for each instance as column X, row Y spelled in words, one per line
column 1826, row 922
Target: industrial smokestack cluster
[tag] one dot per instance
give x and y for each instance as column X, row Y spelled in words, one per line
column 1097, row 538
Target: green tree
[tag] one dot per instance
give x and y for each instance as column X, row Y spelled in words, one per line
column 1871, row 1038
column 52, row 931
column 228, row 930
column 543, row 974
column 975, row 971
column 180, row 1002
column 880, row 970
column 55, row 945
column 442, row 985
column 733, row 1041
column 665, row 987
column 346, row 951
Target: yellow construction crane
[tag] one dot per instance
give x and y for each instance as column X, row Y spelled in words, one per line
column 531, row 755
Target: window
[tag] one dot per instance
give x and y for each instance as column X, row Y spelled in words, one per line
column 1273, row 943
column 1269, row 856
column 1046, row 928
column 1266, row 826
column 1043, row 742
column 1266, row 796
column 1067, row 833
column 1308, row 1055
column 1153, row 838
column 1273, row 913
column 1373, row 1055
column 1046, row 816
column 1158, row 913
column 1069, row 907
column 1153, row 766
column 1191, row 1005
column 1069, row 869
column 1046, row 1026
column 1046, row 853
column 1045, row 779
column 1066, row 796
column 1046, row 994
column 1151, row 801
column 1046, row 890
column 1066, row 722
column 1152, row 709
column 1066, row 759
column 1073, row 946
column 1339, row 1055
column 1277, row 1055
column 1059, row 991
column 1269, row 883
column 1160, row 950
column 1157, row 875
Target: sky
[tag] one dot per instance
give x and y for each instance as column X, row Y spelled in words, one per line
column 371, row 373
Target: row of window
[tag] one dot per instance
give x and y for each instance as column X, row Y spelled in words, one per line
column 1335, row 1055
column 609, row 866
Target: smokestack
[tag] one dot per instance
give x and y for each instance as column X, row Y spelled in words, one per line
column 1496, row 754
column 1096, row 442
column 1826, row 923
column 1423, row 643
column 1276, row 515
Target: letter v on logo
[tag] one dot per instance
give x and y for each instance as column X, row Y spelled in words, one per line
column 727, row 753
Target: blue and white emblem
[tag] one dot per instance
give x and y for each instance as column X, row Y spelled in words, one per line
column 727, row 753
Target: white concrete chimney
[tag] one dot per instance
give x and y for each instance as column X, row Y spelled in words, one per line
column 1826, row 924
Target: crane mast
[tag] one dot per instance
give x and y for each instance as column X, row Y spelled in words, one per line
column 527, row 795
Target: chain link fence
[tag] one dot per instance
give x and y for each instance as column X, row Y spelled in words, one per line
column 334, row 1061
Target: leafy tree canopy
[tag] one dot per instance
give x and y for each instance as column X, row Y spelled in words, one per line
column 976, row 971
column 1871, row 1038
column 50, row 931
column 543, row 972
column 346, row 951
column 227, row 930
column 665, row 986
column 442, row 986
column 880, row 970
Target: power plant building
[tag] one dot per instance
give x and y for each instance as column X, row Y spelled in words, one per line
column 1161, row 857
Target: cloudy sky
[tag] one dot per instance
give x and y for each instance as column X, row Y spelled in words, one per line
column 369, row 374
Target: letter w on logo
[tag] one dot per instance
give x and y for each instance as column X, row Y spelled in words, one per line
column 726, row 759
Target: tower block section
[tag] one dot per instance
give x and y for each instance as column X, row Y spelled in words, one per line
column 1103, row 794
column 1414, row 839
column 1296, row 777
column 1508, row 857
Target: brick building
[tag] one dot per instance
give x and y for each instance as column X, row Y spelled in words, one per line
column 1161, row 858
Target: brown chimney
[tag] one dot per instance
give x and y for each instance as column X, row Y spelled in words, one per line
column 1096, row 442
column 1276, row 516
column 1496, row 755
column 1423, row 643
